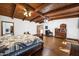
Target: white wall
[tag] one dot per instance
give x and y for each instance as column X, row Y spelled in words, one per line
column 72, row 26
column 21, row 26
column 24, row 26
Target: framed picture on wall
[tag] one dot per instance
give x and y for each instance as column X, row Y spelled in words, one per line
column 7, row 28
column 46, row 27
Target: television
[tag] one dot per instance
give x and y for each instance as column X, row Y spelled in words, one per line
column 46, row 27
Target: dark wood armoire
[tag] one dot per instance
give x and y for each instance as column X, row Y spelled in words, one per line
column 61, row 32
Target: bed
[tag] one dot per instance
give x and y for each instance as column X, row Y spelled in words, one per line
column 18, row 45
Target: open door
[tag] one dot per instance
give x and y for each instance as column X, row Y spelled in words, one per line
column 40, row 30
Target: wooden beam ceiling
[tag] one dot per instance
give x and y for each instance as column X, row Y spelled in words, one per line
column 37, row 11
column 38, row 19
column 17, row 11
column 35, row 18
column 65, row 15
column 41, row 7
column 14, row 10
column 65, row 10
column 6, row 9
column 52, row 10
column 62, row 8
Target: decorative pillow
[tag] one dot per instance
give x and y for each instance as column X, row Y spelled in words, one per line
column 29, row 43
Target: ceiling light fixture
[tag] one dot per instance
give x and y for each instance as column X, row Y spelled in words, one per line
column 27, row 13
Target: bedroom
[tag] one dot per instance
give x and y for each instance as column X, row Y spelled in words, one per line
column 38, row 20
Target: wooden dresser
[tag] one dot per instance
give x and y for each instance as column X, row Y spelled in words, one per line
column 61, row 32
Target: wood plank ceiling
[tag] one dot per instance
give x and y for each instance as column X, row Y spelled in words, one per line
column 53, row 11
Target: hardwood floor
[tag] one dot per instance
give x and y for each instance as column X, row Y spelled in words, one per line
column 54, row 47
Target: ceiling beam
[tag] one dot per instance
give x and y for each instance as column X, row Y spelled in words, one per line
column 30, row 7
column 41, row 7
column 27, row 6
column 39, row 18
column 24, row 18
column 14, row 11
column 41, row 21
column 66, row 15
column 58, row 9
column 62, row 8
column 40, row 14
column 62, row 14
column 35, row 18
column 71, row 10
column 73, row 16
column 38, row 9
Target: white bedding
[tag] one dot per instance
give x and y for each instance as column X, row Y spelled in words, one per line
column 10, row 40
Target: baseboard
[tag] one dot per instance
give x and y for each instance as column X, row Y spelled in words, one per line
column 72, row 39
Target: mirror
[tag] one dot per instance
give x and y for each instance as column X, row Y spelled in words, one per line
column 7, row 28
